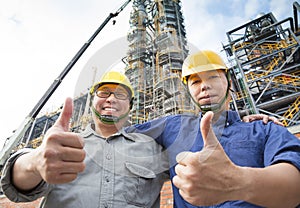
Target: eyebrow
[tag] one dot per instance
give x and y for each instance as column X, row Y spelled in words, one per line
column 117, row 89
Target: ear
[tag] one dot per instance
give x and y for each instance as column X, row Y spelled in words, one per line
column 229, row 81
column 230, row 84
column 230, row 90
column 131, row 103
column 91, row 99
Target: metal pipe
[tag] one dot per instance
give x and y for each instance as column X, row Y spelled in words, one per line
column 279, row 101
column 296, row 9
column 270, row 104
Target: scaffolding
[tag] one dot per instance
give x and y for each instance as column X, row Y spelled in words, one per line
column 157, row 48
column 34, row 135
column 265, row 57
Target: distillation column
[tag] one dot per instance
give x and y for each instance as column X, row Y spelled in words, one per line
column 139, row 61
column 157, row 48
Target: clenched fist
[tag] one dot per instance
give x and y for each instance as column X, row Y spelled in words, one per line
column 57, row 160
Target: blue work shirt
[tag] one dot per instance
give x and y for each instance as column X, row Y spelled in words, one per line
column 247, row 144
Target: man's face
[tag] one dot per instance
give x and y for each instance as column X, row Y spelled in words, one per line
column 111, row 99
column 208, row 87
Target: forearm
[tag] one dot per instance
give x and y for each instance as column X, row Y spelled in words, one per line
column 274, row 186
column 24, row 176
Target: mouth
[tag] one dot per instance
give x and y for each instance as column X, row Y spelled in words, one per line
column 206, row 99
column 109, row 109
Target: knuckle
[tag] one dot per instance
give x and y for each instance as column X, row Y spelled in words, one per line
column 72, row 177
column 188, row 188
column 83, row 155
column 51, row 168
column 81, row 141
column 50, row 154
column 50, row 176
column 82, row 167
column 52, row 137
column 175, row 180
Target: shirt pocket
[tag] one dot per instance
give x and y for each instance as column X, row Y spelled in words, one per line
column 246, row 153
column 142, row 187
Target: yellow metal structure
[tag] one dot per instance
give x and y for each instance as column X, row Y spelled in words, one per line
column 265, row 59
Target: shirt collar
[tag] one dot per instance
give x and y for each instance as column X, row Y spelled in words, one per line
column 229, row 117
column 89, row 130
column 233, row 117
column 226, row 119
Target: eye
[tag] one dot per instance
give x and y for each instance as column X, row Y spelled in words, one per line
column 121, row 95
column 214, row 76
column 102, row 93
column 195, row 81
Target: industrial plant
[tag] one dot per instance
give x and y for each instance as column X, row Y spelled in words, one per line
column 263, row 56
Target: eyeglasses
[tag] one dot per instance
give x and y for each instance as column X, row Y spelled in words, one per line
column 118, row 94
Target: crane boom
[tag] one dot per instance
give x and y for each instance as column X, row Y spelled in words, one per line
column 18, row 134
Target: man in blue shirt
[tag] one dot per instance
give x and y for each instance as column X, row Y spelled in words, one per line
column 235, row 165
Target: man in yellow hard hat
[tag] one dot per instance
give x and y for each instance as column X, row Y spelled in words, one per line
column 209, row 62
column 101, row 167
column 216, row 160
column 122, row 90
column 244, row 164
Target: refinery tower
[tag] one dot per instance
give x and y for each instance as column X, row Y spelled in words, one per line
column 157, row 47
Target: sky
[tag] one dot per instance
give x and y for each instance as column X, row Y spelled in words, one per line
column 39, row 38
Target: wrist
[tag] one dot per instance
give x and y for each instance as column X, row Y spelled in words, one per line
column 34, row 162
column 25, row 175
column 247, row 183
column 242, row 184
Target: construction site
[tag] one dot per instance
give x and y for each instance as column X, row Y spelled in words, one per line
column 264, row 57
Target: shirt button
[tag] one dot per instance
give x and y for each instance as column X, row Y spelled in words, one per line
column 107, row 179
column 108, row 156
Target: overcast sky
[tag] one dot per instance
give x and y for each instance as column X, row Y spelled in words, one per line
column 39, row 38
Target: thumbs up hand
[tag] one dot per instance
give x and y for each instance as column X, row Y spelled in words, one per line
column 207, row 177
column 60, row 157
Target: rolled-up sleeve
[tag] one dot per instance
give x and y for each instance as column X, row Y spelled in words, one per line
column 11, row 192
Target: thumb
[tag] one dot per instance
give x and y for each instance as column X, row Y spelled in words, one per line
column 63, row 120
column 183, row 157
column 209, row 138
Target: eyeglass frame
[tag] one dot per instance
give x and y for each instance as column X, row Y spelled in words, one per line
column 116, row 94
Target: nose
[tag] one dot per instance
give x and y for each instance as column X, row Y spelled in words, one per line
column 111, row 97
column 203, row 86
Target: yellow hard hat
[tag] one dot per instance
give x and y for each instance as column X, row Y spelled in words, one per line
column 114, row 77
column 200, row 61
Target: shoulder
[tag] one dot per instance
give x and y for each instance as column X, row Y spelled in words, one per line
column 273, row 133
column 166, row 120
column 138, row 137
column 88, row 131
